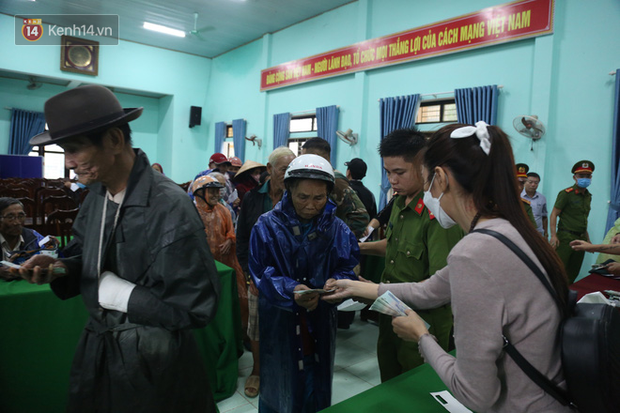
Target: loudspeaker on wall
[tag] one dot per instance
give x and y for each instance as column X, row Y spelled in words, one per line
column 195, row 115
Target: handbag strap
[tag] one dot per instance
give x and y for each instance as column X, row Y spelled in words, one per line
column 526, row 260
column 531, row 371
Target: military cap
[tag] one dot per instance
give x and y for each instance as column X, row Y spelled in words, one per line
column 583, row 166
column 522, row 170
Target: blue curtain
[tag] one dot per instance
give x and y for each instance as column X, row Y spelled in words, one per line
column 239, row 138
column 326, row 125
column 476, row 104
column 24, row 125
column 281, row 129
column 614, row 204
column 396, row 113
column 220, row 134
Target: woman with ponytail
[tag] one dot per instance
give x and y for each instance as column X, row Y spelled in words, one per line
column 470, row 180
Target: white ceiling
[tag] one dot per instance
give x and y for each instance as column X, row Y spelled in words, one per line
column 226, row 24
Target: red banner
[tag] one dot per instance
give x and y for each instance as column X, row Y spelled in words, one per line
column 499, row 24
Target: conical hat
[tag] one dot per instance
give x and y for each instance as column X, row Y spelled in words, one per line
column 247, row 165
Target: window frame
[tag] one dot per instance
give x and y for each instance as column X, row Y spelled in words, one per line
column 228, row 146
column 42, row 151
column 442, row 102
column 299, row 141
column 313, row 128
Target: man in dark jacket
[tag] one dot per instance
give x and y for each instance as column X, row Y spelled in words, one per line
column 17, row 242
column 146, row 274
column 356, row 171
column 255, row 203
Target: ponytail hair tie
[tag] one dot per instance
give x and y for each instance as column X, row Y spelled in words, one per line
column 481, row 133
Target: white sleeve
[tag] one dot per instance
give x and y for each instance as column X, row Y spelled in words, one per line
column 114, row 292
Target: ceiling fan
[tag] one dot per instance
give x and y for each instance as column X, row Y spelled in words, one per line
column 196, row 31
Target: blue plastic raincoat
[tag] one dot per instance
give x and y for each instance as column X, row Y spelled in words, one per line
column 283, row 255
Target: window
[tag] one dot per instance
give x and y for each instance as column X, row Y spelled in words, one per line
column 53, row 161
column 228, row 148
column 304, row 123
column 437, row 111
column 295, row 145
column 302, row 128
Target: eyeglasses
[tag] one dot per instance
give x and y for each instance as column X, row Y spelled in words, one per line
column 12, row 217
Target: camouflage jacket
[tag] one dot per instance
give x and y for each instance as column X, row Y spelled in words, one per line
column 350, row 208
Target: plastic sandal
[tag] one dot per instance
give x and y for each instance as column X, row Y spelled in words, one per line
column 252, row 385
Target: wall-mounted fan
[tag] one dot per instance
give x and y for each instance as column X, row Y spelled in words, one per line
column 530, row 127
column 349, row 137
column 255, row 141
column 196, row 31
column 33, row 83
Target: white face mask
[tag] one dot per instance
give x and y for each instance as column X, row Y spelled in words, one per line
column 434, row 206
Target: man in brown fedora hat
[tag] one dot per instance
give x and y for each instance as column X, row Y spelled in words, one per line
column 146, row 274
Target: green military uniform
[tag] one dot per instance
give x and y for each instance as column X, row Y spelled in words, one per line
column 522, row 170
column 417, row 246
column 349, row 208
column 529, row 212
column 574, row 202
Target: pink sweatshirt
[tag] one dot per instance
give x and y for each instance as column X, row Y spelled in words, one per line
column 492, row 292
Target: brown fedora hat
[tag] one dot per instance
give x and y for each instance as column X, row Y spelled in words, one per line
column 83, row 110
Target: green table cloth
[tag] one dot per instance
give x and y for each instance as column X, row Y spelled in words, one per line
column 40, row 333
column 409, row 392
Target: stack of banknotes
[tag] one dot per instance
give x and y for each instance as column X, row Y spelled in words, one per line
column 389, row 304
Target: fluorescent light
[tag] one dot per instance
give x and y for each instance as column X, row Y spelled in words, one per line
column 163, row 29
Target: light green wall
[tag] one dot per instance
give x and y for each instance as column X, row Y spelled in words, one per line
column 563, row 78
column 14, row 94
column 179, row 76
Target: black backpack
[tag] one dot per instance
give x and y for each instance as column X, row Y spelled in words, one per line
column 590, row 343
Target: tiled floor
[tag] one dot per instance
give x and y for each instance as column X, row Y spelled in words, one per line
column 355, row 368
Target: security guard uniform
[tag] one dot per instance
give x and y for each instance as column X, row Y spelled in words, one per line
column 574, row 204
column 417, row 246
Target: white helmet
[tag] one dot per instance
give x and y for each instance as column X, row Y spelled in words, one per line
column 311, row 167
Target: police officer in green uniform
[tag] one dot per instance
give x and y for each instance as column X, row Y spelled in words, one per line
column 415, row 248
column 522, row 170
column 573, row 208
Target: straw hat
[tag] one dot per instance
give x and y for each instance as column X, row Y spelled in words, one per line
column 247, row 165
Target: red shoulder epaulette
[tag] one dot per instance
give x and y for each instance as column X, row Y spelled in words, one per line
column 420, row 207
column 569, row 189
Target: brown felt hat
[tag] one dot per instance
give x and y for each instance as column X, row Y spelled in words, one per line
column 83, row 110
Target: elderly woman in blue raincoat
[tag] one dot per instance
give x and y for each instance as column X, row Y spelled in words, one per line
column 298, row 246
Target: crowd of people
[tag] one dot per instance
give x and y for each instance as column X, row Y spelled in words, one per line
column 290, row 230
